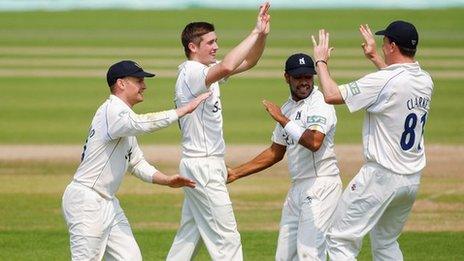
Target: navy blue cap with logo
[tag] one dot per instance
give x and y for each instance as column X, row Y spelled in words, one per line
column 403, row 33
column 299, row 64
column 123, row 69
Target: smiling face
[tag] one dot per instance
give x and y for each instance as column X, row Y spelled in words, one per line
column 132, row 89
column 205, row 51
column 301, row 86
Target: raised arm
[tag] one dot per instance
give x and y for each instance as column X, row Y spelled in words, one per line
column 328, row 86
column 250, row 48
column 310, row 139
column 263, row 27
column 264, row 160
column 369, row 47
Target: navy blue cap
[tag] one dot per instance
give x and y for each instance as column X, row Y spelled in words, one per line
column 404, row 34
column 299, row 64
column 123, row 69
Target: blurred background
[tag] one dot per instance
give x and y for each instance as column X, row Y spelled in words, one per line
column 53, row 60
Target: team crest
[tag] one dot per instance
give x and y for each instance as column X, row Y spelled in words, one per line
column 298, row 115
column 137, row 65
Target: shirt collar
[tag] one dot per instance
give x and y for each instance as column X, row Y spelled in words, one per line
column 118, row 100
column 414, row 65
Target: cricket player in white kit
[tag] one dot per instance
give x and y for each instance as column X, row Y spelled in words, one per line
column 305, row 128
column 207, row 213
column 397, row 99
column 97, row 225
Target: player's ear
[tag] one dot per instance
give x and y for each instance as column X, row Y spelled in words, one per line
column 287, row 78
column 120, row 84
column 192, row 47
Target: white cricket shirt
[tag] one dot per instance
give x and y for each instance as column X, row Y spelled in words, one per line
column 202, row 134
column 397, row 100
column 314, row 114
column 111, row 147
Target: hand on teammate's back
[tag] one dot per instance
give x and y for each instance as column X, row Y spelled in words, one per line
column 192, row 105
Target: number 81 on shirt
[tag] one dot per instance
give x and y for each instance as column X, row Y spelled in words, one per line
column 408, row 137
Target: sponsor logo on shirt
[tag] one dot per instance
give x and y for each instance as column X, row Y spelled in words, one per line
column 316, row 119
column 354, row 89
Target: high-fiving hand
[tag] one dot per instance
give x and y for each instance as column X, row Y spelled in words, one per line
column 321, row 48
column 369, row 46
column 263, row 21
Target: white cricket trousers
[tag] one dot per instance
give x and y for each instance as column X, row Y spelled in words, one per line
column 378, row 201
column 206, row 213
column 306, row 216
column 97, row 226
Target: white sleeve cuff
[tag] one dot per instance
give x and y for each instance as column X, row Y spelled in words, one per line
column 294, row 130
column 144, row 171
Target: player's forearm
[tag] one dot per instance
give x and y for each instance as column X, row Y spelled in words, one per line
column 160, row 178
column 261, row 162
column 131, row 124
column 238, row 54
column 378, row 61
column 328, row 86
column 255, row 53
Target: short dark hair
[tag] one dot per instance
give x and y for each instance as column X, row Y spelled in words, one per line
column 403, row 50
column 192, row 34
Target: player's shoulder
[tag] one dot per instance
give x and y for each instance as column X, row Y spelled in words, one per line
column 316, row 98
column 115, row 106
column 191, row 65
column 286, row 106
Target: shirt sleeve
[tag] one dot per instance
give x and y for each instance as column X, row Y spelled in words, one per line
column 362, row 93
column 278, row 135
column 139, row 167
column 321, row 117
column 124, row 122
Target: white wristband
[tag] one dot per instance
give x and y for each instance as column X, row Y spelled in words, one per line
column 294, row 130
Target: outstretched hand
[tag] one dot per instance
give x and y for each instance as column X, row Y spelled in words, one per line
column 369, row 46
column 321, row 48
column 275, row 112
column 178, row 181
column 263, row 21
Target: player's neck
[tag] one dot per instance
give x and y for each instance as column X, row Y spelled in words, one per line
column 400, row 59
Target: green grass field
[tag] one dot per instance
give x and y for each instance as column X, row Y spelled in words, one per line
column 52, row 67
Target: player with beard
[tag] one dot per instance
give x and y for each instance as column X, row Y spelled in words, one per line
column 305, row 128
